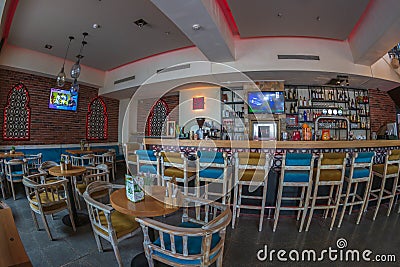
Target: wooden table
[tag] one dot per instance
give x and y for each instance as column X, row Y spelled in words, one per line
column 5, row 155
column 150, row 206
column 12, row 252
column 91, row 151
column 79, row 218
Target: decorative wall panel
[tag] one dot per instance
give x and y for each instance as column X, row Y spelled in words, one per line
column 157, row 119
column 97, row 120
column 17, row 114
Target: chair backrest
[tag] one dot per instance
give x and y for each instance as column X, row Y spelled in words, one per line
column 34, row 161
column 361, row 165
column 198, row 239
column 297, row 167
column 22, row 163
column 99, row 176
column 212, row 158
column 47, row 165
column 175, row 159
column 2, row 171
column 252, row 164
column 84, row 160
column 392, row 158
column 147, row 161
column 331, row 167
column 42, row 195
column 65, row 157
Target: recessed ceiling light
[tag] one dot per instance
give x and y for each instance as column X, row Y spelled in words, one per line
column 280, row 15
column 96, row 26
column 196, row 27
column 48, row 46
column 167, row 33
column 318, row 18
column 140, row 23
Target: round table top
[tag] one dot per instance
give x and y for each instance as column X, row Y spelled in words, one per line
column 148, row 207
column 74, row 171
column 4, row 155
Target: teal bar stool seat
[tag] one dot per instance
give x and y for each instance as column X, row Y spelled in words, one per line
column 147, row 162
column 360, row 171
column 297, row 171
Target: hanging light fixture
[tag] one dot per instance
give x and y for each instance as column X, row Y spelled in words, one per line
column 76, row 68
column 61, row 75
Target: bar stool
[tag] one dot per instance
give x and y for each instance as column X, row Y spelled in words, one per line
column 329, row 172
column 174, row 164
column 148, row 162
column 296, row 171
column 360, row 171
column 16, row 169
column 251, row 169
column 388, row 170
column 212, row 168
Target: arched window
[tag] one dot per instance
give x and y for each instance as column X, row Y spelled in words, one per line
column 157, row 118
column 97, row 120
column 17, row 114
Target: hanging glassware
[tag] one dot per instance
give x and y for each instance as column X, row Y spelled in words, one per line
column 61, row 75
column 74, row 87
column 76, row 68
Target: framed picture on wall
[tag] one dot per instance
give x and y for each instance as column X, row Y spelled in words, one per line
column 170, row 129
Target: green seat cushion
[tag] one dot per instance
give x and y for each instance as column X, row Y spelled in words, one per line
column 328, row 175
column 391, row 169
column 177, row 172
column 47, row 199
column 252, row 175
column 123, row 224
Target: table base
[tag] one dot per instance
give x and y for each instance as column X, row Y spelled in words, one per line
column 139, row 260
column 80, row 220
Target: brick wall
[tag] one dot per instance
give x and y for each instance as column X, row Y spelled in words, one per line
column 146, row 105
column 382, row 109
column 50, row 126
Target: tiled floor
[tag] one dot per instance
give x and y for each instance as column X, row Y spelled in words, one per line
column 242, row 244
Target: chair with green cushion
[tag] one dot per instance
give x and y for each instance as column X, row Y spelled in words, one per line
column 15, row 169
column 296, row 171
column 251, row 169
column 197, row 241
column 147, row 162
column 106, row 222
column 175, row 164
column 213, row 170
column 360, row 171
column 388, row 170
column 329, row 173
column 47, row 198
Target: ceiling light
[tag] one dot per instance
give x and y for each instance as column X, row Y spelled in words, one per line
column 318, row 18
column 48, row 46
column 280, row 14
column 96, row 26
column 167, row 33
column 140, row 23
column 196, row 27
column 61, row 75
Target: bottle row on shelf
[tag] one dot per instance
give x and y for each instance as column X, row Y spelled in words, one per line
column 331, row 94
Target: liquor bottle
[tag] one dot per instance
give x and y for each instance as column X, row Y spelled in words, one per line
column 305, row 115
column 313, row 94
column 291, row 108
column 294, row 94
column 309, row 102
column 295, row 108
column 301, row 101
column 329, row 95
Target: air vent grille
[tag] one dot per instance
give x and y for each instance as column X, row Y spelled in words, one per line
column 302, row 57
column 130, row 78
column 174, row 68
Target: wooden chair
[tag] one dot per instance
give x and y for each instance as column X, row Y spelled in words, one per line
column 107, row 158
column 106, row 222
column 84, row 160
column 197, row 241
column 297, row 172
column 251, row 169
column 360, row 171
column 329, row 172
column 47, row 199
column 46, row 165
column 65, row 157
column 33, row 163
column 15, row 170
column 213, row 169
column 130, row 157
column 175, row 164
column 2, row 180
column 388, row 170
column 148, row 163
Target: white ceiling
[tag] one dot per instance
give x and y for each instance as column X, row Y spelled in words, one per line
column 297, row 18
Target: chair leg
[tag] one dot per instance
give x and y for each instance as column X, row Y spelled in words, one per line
column 12, row 188
column 240, row 199
column 300, row 202
column 35, row 220
column 365, row 201
column 346, row 199
column 116, row 250
column 337, row 201
column 326, row 212
column 235, row 203
column 353, row 198
column 219, row 260
column 306, row 204
column 393, row 194
column 46, row 226
column 314, row 200
column 278, row 206
column 383, row 181
column 71, row 217
column 264, row 198
column 98, row 242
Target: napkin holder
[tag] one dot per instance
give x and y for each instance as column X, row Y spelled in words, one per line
column 134, row 185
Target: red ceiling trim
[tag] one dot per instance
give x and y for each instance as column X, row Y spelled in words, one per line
column 361, row 20
column 10, row 15
column 226, row 10
column 291, row 36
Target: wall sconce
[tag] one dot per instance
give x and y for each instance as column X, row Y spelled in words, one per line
column 198, row 103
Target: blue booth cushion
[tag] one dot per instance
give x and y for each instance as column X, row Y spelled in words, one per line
column 148, row 169
column 146, row 155
column 298, row 159
column 210, row 157
column 296, row 176
column 358, row 172
column 194, row 245
column 215, row 173
column 364, row 157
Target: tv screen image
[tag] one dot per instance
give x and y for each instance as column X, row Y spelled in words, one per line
column 266, row 102
column 63, row 100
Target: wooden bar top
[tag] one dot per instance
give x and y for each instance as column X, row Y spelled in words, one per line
column 269, row 144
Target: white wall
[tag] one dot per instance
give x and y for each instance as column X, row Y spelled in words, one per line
column 123, row 106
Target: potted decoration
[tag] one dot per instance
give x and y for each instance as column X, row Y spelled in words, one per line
column 12, row 151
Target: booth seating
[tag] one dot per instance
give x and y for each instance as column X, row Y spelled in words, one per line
column 329, row 172
column 175, row 164
column 297, row 171
column 213, row 170
column 360, row 171
column 251, row 169
column 388, row 170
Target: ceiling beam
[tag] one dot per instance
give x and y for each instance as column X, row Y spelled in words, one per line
column 213, row 37
column 377, row 31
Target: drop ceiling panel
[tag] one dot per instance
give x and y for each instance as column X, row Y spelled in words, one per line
column 297, row 18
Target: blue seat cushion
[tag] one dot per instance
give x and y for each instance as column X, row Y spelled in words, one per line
column 210, row 157
column 194, row 245
column 364, row 157
column 19, row 173
column 358, row 172
column 296, row 176
column 212, row 173
column 298, row 159
column 146, row 155
column 148, row 169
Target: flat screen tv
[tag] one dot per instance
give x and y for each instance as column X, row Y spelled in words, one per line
column 63, row 99
column 266, row 102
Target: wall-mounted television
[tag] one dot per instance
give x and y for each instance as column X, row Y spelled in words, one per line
column 63, row 99
column 266, row 102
